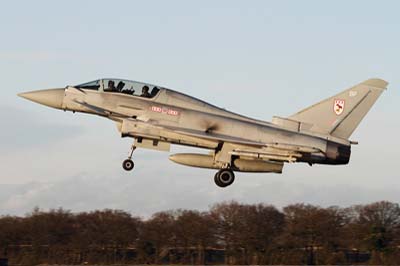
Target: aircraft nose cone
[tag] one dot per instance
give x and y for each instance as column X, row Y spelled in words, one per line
column 51, row 97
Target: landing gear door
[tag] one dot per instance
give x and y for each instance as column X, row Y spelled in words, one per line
column 152, row 144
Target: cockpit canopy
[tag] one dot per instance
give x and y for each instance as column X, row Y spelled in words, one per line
column 121, row 86
column 158, row 94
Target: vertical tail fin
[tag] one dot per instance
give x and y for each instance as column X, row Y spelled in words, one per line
column 340, row 115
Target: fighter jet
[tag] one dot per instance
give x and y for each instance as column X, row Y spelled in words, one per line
column 156, row 117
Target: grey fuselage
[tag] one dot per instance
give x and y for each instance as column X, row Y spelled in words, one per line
column 177, row 118
column 157, row 117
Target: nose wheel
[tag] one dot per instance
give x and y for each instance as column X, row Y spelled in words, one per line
column 128, row 164
column 224, row 177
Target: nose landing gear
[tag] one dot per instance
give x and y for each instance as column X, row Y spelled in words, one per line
column 128, row 164
column 224, row 177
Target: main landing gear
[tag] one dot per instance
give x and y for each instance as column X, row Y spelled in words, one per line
column 128, row 164
column 224, row 177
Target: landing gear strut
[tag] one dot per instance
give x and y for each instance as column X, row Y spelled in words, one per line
column 128, row 164
column 224, row 177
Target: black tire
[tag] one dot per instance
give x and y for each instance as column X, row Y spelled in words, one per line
column 216, row 180
column 128, row 164
column 224, row 177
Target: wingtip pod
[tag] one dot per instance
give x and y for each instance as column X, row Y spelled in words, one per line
column 376, row 82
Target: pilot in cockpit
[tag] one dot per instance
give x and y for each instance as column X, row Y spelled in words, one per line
column 111, row 86
column 120, row 86
column 145, row 92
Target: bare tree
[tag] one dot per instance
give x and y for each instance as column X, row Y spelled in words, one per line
column 376, row 227
column 243, row 233
column 311, row 228
column 156, row 237
column 247, row 231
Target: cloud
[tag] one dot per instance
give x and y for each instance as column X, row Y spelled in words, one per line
column 21, row 129
column 144, row 195
column 35, row 56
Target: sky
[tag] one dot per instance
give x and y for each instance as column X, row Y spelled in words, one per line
column 257, row 58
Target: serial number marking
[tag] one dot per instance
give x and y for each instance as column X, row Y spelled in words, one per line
column 164, row 110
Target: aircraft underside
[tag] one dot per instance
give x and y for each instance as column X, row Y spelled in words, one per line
column 225, row 175
column 238, row 160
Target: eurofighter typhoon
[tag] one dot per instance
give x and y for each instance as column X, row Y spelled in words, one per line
column 156, row 117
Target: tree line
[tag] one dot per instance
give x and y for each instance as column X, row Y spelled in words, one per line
column 228, row 233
